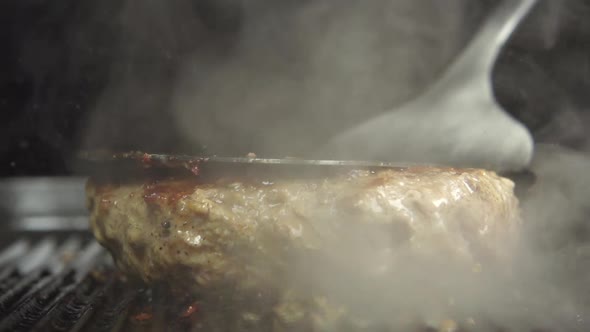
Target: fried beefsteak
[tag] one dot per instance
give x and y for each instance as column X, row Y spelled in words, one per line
column 237, row 240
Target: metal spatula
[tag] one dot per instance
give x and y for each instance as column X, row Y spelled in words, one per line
column 457, row 120
column 155, row 160
column 123, row 164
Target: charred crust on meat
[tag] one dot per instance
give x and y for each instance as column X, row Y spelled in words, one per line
column 139, row 249
column 166, row 224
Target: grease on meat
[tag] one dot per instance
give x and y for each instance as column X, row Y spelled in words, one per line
column 234, row 240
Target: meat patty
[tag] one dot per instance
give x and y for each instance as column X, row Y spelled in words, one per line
column 234, row 239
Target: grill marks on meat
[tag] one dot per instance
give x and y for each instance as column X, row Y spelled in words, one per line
column 244, row 236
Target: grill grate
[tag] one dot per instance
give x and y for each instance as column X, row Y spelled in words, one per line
column 68, row 283
column 49, row 283
column 52, row 281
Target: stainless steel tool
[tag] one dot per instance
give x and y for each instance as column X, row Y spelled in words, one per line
column 188, row 161
column 456, row 121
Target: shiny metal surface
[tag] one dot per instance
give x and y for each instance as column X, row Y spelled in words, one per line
column 166, row 160
column 43, row 203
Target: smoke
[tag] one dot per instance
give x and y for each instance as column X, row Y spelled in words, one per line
column 370, row 274
column 299, row 74
column 132, row 112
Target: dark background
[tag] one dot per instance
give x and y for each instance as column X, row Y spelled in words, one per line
column 542, row 77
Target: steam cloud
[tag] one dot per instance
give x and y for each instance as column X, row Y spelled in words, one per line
column 293, row 76
column 545, row 287
column 298, row 75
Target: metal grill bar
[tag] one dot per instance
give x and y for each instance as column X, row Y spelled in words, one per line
column 75, row 309
column 60, row 285
column 70, row 284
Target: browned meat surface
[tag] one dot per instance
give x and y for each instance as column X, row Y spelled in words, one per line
column 236, row 241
